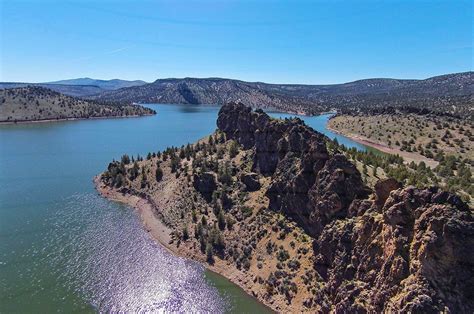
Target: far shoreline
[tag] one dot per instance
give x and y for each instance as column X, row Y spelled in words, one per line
column 269, row 110
column 71, row 119
column 408, row 157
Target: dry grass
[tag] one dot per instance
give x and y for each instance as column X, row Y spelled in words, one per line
column 37, row 103
column 422, row 135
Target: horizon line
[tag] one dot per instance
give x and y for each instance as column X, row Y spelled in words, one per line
column 227, row 78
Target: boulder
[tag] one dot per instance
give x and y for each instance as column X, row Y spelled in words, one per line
column 206, row 184
column 251, row 181
column 383, row 189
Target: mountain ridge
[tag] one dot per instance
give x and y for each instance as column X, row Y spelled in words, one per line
column 103, row 84
column 439, row 93
column 444, row 94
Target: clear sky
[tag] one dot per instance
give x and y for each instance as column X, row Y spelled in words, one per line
column 271, row 41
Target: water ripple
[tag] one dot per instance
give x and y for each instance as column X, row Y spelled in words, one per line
column 101, row 252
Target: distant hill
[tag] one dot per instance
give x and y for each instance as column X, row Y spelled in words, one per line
column 446, row 94
column 451, row 93
column 103, row 84
column 209, row 91
column 81, row 87
column 36, row 103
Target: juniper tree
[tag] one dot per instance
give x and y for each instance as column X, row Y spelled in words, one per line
column 209, row 253
column 185, row 232
column 125, row 159
column 233, row 149
column 221, row 220
column 198, row 231
column 158, row 174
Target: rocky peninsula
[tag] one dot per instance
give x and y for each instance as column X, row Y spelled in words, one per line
column 273, row 207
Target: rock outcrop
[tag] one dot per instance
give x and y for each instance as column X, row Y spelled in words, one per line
column 205, row 183
column 413, row 255
column 251, row 181
column 392, row 249
column 307, row 183
column 383, row 188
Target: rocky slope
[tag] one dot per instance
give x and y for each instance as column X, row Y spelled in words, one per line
column 450, row 94
column 35, row 103
column 269, row 204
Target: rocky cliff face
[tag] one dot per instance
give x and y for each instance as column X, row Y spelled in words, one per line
column 392, row 249
column 307, row 183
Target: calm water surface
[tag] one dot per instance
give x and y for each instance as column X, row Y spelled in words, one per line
column 64, row 248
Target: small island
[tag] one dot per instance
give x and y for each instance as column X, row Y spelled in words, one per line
column 35, row 103
column 284, row 212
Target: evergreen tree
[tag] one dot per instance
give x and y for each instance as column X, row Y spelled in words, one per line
column 125, row 159
column 134, row 171
column 209, row 253
column 119, row 181
column 198, row 231
column 233, row 149
column 158, row 174
column 185, row 233
column 221, row 220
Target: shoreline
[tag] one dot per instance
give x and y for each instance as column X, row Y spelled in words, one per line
column 71, row 119
column 297, row 113
column 161, row 234
column 267, row 110
column 408, row 157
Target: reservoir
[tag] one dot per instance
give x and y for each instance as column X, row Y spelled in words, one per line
column 64, row 248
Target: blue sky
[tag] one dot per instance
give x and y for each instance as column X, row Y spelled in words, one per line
column 272, row 41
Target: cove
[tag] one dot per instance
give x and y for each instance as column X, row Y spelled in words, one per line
column 64, row 248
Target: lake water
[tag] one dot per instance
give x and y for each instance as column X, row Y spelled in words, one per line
column 64, row 248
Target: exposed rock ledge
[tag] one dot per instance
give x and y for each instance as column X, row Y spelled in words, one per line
column 392, row 249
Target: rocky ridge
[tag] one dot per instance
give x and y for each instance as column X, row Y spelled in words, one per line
column 387, row 249
column 404, row 250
